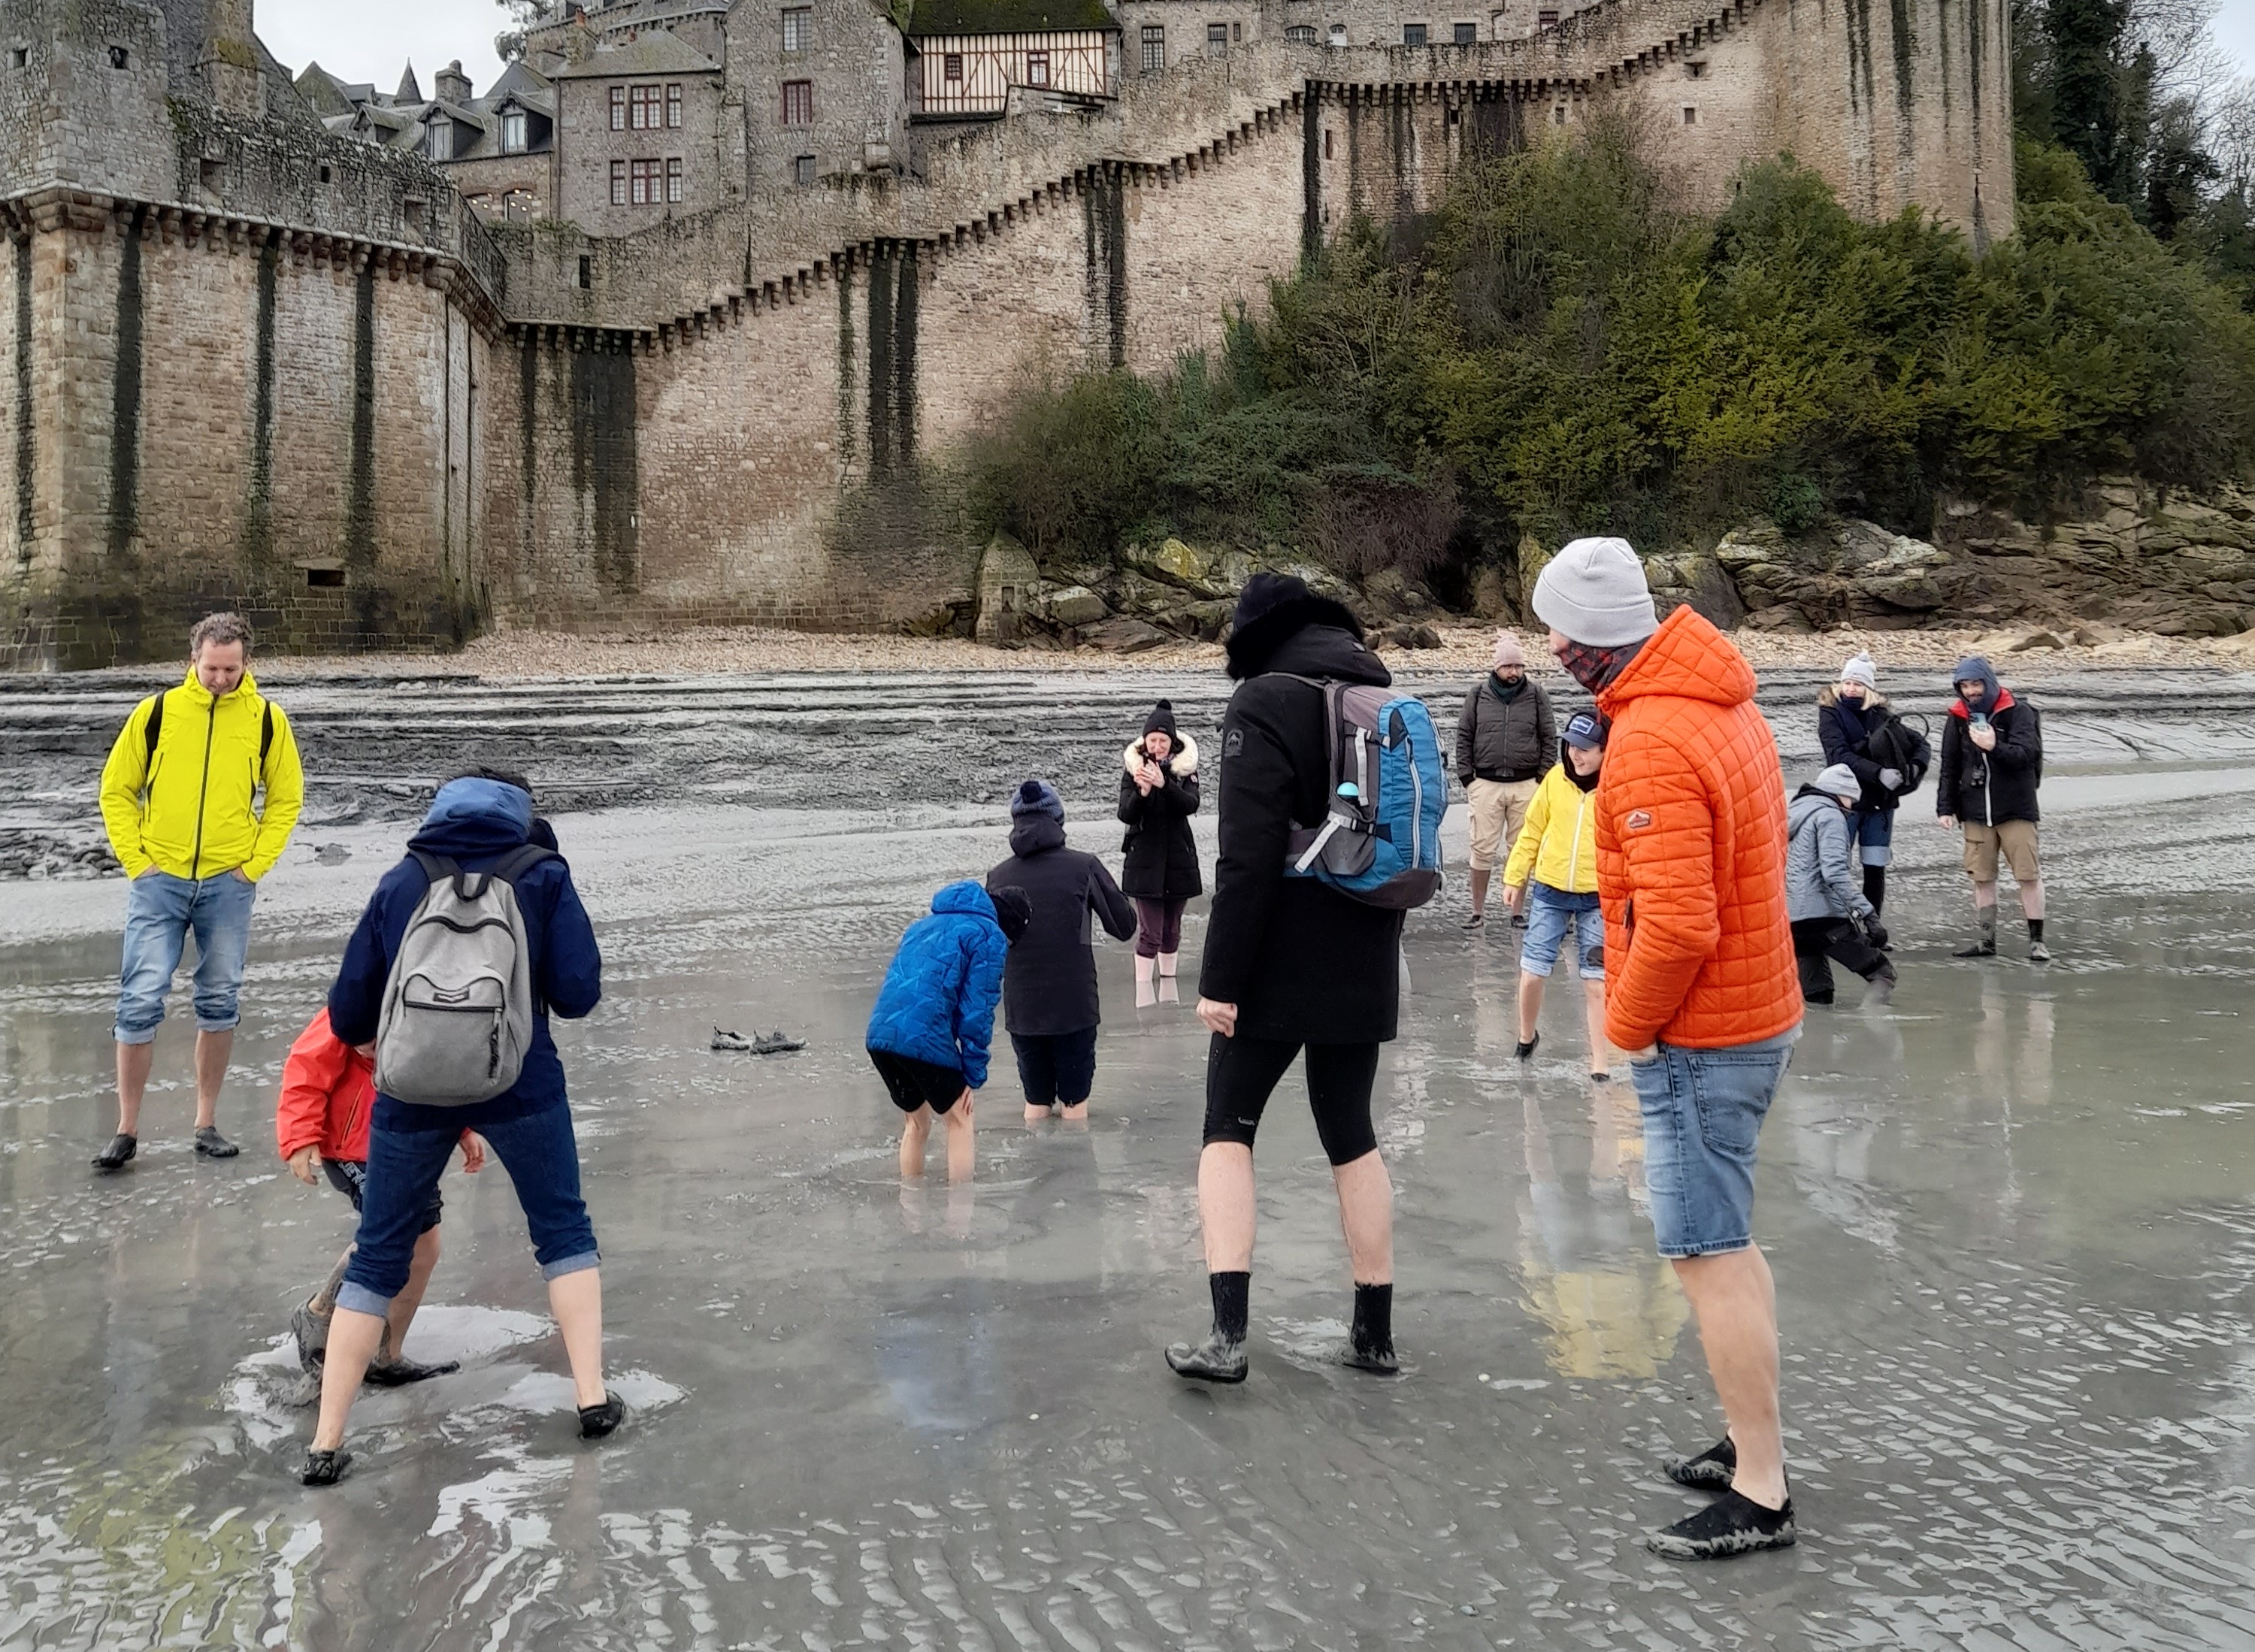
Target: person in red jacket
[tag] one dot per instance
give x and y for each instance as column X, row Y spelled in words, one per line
column 1701, row 987
column 328, row 1090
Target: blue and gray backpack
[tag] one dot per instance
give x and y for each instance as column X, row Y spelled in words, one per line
column 1380, row 841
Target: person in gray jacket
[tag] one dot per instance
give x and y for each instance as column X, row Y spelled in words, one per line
column 1831, row 917
column 1505, row 742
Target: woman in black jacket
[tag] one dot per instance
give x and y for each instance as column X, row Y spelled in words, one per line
column 1857, row 726
column 1158, row 795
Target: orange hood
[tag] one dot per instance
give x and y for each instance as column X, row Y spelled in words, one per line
column 1688, row 656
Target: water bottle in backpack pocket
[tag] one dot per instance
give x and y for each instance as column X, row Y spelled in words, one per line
column 458, row 1006
column 1381, row 839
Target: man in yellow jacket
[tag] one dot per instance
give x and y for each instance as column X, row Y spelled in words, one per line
column 179, row 794
column 1552, row 875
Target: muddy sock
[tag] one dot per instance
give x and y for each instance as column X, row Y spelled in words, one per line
column 1231, row 1297
column 1875, row 886
column 2035, row 929
column 1373, row 1318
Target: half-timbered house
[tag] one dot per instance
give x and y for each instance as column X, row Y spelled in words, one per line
column 967, row 56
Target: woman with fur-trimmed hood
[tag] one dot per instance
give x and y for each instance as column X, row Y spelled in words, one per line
column 1158, row 795
column 1855, row 725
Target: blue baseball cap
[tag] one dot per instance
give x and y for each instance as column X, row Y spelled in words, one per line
column 1585, row 729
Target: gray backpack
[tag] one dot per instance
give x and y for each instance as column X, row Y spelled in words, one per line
column 458, row 1006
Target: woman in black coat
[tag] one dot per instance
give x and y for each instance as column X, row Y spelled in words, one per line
column 1158, row 795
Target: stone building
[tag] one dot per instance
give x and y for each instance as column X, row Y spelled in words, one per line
column 259, row 362
column 499, row 150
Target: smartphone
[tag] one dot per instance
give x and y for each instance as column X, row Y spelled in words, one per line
column 1980, row 719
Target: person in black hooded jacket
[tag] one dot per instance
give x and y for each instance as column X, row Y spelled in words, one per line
column 1290, row 965
column 1159, row 857
column 1050, row 1000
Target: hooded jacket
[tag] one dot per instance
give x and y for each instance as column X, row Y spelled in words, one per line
column 1692, row 849
column 328, row 1093
column 1049, row 982
column 1159, row 856
column 473, row 823
column 1508, row 740
column 1820, row 878
column 186, row 811
column 1988, row 788
column 1301, row 961
column 1844, row 730
column 1558, row 845
column 937, row 1002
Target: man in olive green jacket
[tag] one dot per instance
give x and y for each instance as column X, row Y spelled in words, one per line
column 179, row 794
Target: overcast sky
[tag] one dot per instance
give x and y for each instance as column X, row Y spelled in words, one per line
column 371, row 42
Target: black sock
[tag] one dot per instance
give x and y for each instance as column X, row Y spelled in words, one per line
column 2035, row 929
column 1231, row 1292
column 1373, row 1318
column 1875, row 887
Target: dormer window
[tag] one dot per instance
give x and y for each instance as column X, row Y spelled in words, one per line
column 512, row 132
column 439, row 142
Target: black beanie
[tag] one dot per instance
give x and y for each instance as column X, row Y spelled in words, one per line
column 1013, row 910
column 1162, row 721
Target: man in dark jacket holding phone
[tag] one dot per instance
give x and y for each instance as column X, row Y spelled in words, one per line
column 1050, row 994
column 1291, row 965
column 1991, row 765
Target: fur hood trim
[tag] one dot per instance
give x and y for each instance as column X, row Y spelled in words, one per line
column 1182, row 765
column 1829, row 695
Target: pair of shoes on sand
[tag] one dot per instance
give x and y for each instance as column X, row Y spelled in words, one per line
column 1731, row 1524
column 326, row 1468
column 209, row 1143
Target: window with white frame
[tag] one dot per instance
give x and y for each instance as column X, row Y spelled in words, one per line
column 1155, row 48
column 673, row 181
column 797, row 28
column 438, row 140
column 512, row 132
column 1037, row 68
column 1301, row 34
column 673, row 105
column 618, row 108
column 618, row 183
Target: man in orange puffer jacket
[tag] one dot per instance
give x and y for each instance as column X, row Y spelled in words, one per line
column 1702, row 989
column 320, row 1124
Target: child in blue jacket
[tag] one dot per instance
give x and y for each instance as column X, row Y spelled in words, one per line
column 935, row 1015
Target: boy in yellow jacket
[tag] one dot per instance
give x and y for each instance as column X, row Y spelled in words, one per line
column 180, row 796
column 1553, row 872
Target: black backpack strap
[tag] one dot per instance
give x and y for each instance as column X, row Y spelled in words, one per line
column 151, row 729
column 520, row 860
column 435, row 867
column 265, row 737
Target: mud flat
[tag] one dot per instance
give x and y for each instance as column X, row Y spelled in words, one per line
column 2010, row 1218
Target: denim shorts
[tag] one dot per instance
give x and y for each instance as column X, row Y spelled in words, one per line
column 160, row 912
column 1874, row 836
column 538, row 1151
column 1548, row 911
column 1702, row 1114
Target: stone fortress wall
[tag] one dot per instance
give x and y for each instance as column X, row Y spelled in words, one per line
column 257, row 364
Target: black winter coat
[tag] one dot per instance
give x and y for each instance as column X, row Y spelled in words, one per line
column 1301, row 961
column 1988, row 788
column 1049, row 985
column 1845, row 732
column 1160, row 853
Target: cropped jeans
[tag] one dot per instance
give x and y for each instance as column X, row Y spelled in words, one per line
column 160, row 911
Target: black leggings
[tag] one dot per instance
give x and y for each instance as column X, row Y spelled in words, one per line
column 1241, row 1072
column 1158, row 927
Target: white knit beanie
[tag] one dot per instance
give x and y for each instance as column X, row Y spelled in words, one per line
column 1861, row 670
column 1594, row 591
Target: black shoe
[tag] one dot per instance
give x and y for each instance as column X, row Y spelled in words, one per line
column 1219, row 1359
column 1976, row 949
column 324, row 1468
column 1814, row 998
column 122, row 1146
column 398, row 1374
column 1477, row 922
column 312, row 1330
column 1519, row 920
column 1526, row 1047
column 1379, row 1361
column 212, row 1145
column 1708, row 1471
column 1598, row 1075
column 596, row 1421
column 1730, row 1525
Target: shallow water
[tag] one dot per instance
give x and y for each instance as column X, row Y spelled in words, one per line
column 2010, row 1218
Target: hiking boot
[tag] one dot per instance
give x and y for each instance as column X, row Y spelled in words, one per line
column 312, row 1331
column 596, row 1421
column 730, row 1040
column 324, row 1468
column 1730, row 1525
column 398, row 1374
column 1708, row 1471
column 212, row 1145
column 1219, row 1359
column 122, row 1146
column 1525, row 1048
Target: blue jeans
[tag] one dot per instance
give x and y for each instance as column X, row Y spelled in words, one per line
column 403, row 1168
column 160, row 910
column 1702, row 1114
column 1548, row 911
column 1874, row 836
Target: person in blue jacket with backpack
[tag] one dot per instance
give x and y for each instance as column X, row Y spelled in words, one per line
column 934, row 1019
column 478, row 822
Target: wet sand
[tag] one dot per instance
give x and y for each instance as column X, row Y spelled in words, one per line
column 2009, row 1217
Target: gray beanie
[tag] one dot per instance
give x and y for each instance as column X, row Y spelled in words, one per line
column 1594, row 591
column 1839, row 780
column 1860, row 669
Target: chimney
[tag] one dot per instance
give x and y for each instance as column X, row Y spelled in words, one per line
column 451, row 85
column 228, row 59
